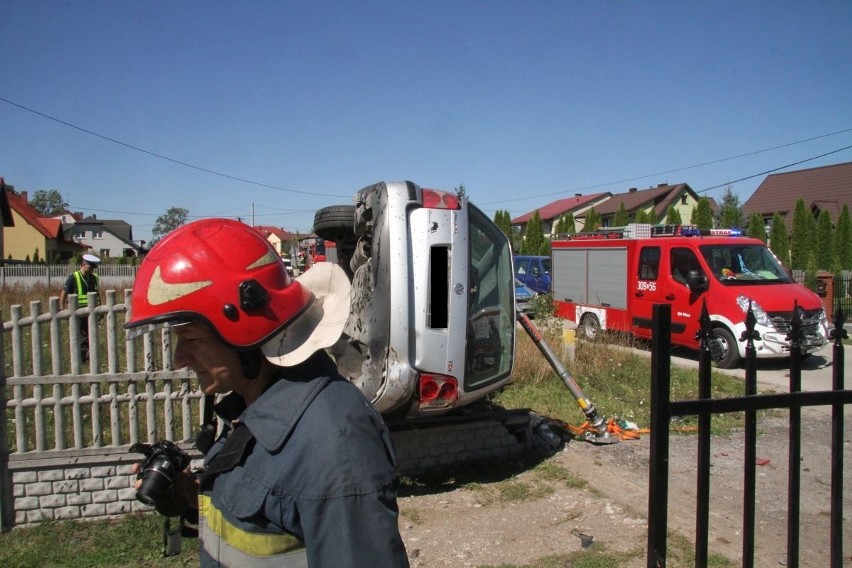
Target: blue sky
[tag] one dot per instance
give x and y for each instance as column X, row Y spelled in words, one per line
column 270, row 110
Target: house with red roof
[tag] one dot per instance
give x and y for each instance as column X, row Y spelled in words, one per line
column 284, row 242
column 31, row 236
column 825, row 188
column 654, row 200
column 552, row 212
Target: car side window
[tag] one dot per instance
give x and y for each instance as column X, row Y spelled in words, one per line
column 522, row 267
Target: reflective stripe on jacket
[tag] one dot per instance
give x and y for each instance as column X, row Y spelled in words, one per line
column 225, row 543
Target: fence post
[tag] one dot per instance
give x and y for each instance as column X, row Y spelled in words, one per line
column 838, row 334
column 794, row 473
column 6, row 496
column 658, row 486
column 702, row 514
column 750, row 452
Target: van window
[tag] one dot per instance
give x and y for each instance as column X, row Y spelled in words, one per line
column 682, row 260
column 649, row 263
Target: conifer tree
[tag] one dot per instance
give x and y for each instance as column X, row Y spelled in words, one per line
column 702, row 214
column 779, row 243
column 645, row 216
column 570, row 226
column 593, row 220
column 843, row 240
column 534, row 237
column 800, row 243
column 824, row 250
column 756, row 228
column 730, row 215
column 621, row 217
column 673, row 217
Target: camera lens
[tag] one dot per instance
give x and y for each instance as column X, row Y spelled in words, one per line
column 156, row 481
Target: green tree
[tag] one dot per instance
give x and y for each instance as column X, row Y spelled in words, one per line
column 173, row 218
column 800, row 243
column 779, row 243
column 730, row 215
column 824, row 250
column 504, row 220
column 811, row 272
column 48, row 202
column 534, row 235
column 593, row 220
column 843, row 240
column 673, row 217
column 621, row 217
column 756, row 228
column 644, row 216
column 570, row 226
column 702, row 214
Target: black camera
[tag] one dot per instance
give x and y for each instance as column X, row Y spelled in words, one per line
column 163, row 463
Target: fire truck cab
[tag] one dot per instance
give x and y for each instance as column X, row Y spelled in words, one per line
column 610, row 280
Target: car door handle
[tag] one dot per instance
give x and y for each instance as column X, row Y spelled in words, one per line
column 670, row 296
column 639, row 294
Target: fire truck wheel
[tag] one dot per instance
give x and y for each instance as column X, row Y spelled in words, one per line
column 590, row 327
column 729, row 355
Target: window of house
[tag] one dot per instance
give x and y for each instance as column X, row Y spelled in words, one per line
column 97, row 234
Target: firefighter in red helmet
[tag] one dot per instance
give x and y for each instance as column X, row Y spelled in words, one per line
column 304, row 471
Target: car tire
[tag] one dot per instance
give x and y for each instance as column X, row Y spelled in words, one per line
column 590, row 327
column 726, row 354
column 335, row 223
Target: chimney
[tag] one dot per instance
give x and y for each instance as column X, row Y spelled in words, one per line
column 24, row 195
column 632, row 190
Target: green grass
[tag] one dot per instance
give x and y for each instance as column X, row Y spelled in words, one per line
column 132, row 540
column 617, row 380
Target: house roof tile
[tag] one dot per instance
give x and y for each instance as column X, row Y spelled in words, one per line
column 561, row 207
column 824, row 188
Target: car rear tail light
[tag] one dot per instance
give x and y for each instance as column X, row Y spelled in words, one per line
column 434, row 199
column 438, row 391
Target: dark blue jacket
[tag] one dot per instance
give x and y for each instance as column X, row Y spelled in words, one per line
column 314, row 480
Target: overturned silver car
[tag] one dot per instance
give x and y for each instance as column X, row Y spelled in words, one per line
column 432, row 323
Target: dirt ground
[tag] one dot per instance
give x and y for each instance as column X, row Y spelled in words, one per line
column 470, row 526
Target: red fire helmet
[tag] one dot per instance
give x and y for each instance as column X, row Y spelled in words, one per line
column 222, row 272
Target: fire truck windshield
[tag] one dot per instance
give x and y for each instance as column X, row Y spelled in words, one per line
column 735, row 264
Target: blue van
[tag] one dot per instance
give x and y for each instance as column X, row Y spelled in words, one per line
column 533, row 271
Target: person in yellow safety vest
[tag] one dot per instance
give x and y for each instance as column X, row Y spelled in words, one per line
column 81, row 282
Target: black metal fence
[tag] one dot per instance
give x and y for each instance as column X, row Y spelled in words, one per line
column 663, row 410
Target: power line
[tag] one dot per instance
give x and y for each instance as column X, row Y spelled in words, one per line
column 162, row 157
column 708, row 163
column 774, row 170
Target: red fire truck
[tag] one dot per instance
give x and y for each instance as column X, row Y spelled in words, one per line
column 610, row 280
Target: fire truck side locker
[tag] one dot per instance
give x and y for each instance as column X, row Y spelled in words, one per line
column 594, row 280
